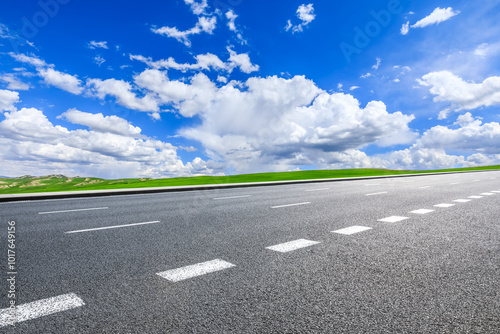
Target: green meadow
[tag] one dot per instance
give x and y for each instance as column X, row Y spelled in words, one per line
column 51, row 183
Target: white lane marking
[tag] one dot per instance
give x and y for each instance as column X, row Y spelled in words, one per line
column 39, row 309
column 379, row 193
column 203, row 268
column 422, row 211
column 461, row 200
column 455, row 183
column 487, row 194
column 319, row 189
column 476, row 197
column 292, row 245
column 231, row 197
column 352, row 230
column 444, row 205
column 286, row 205
column 74, row 210
column 424, row 187
column 392, row 219
column 110, row 227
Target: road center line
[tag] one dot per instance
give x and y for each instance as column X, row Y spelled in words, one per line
column 392, row 219
column 292, row 245
column 110, row 227
column 180, row 274
column 379, row 193
column 286, row 205
column 231, row 197
column 352, row 230
column 39, row 309
column 74, row 210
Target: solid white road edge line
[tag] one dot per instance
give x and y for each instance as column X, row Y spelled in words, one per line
column 292, row 245
column 180, row 274
column 73, row 210
column 110, row 227
column 352, row 230
column 286, row 205
column 39, row 309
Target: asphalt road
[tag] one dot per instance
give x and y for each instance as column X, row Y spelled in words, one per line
column 339, row 257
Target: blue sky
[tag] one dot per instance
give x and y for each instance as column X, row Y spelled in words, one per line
column 212, row 87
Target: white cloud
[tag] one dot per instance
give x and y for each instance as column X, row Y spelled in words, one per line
column 5, row 32
column 96, row 45
column 221, row 79
column 101, row 123
column 437, row 16
column 204, row 24
column 99, row 60
column 204, row 62
column 282, row 123
column 305, row 14
column 463, row 95
column 31, row 142
column 482, row 50
column 122, row 91
column 8, row 99
column 61, row 80
column 377, row 65
column 198, row 8
column 405, row 28
column 64, row 81
column 354, row 88
column 231, row 16
column 13, row 83
column 366, row 75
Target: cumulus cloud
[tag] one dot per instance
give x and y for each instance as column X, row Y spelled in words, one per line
column 198, row 8
column 8, row 99
column 280, row 123
column 97, row 45
column 305, row 14
column 463, row 95
column 122, row 91
column 29, row 139
column 13, row 83
column 204, row 24
column 204, row 62
column 64, row 81
column 101, row 123
column 437, row 16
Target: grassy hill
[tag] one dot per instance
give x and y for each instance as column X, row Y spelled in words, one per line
column 50, row 183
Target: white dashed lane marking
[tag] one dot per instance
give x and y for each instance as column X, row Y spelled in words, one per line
column 476, row 197
column 379, row 193
column 180, row 274
column 392, row 219
column 444, row 205
column 487, row 194
column 40, row 308
column 461, row 200
column 422, row 211
column 231, row 197
column 319, row 189
column 110, row 227
column 292, row 245
column 286, row 205
column 73, row 210
column 352, row 230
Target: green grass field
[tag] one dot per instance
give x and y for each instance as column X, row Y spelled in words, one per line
column 30, row 184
